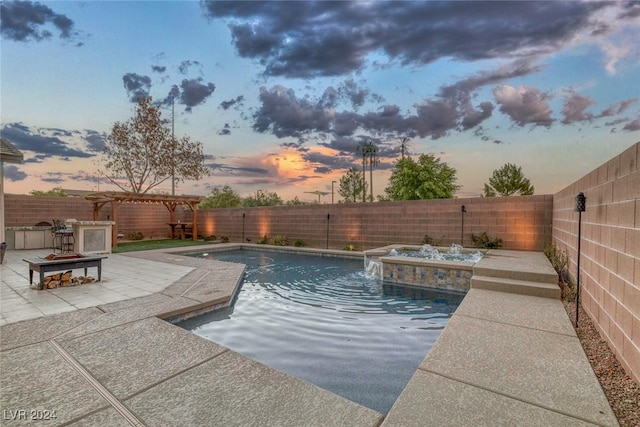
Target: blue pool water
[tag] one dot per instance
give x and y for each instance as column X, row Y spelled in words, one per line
column 321, row 319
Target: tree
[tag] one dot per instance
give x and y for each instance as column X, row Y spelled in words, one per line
column 142, row 152
column 428, row 178
column 221, row 197
column 352, row 185
column 404, row 146
column 56, row 192
column 263, row 198
column 507, row 181
column 296, row 202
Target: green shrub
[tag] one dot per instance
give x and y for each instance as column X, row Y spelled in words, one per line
column 483, row 241
column 349, row 247
column 135, row 235
column 225, row 239
column 299, row 243
column 280, row 240
column 263, row 240
column 210, row 238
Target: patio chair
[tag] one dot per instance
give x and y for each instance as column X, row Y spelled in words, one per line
column 63, row 239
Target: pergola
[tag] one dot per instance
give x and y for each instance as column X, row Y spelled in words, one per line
column 116, row 198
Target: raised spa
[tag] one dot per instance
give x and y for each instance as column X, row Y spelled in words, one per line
column 424, row 266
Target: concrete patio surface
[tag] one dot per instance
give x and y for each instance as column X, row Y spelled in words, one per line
column 99, row 354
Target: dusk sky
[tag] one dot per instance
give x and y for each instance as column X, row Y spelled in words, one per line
column 281, row 94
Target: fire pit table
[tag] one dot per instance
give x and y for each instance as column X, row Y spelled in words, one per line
column 44, row 265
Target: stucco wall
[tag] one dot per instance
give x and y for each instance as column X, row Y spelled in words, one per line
column 610, row 250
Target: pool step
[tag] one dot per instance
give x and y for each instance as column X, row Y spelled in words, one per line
column 519, row 273
column 514, row 286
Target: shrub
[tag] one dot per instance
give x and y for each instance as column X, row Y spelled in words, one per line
column 135, row 235
column 263, row 240
column 279, row 240
column 210, row 238
column 349, row 247
column 225, row 239
column 559, row 259
column 483, row 241
column 428, row 240
column 299, row 243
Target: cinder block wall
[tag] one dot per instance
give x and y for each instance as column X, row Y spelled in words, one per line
column 523, row 222
column 610, row 250
column 24, row 210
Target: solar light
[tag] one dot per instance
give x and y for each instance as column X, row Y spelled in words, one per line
column 581, row 202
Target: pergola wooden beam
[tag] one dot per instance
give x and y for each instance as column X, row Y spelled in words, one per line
column 116, row 198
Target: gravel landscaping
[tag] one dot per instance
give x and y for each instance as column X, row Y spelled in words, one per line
column 622, row 392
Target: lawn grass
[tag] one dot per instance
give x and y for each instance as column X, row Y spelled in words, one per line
column 145, row 245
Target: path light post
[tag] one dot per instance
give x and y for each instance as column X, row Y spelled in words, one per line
column 463, row 210
column 581, row 205
column 243, row 216
column 328, row 218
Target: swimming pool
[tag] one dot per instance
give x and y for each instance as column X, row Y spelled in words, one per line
column 323, row 320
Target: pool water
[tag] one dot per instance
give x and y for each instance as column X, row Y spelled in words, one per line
column 321, row 319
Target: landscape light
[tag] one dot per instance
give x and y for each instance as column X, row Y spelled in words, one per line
column 581, row 206
column 463, row 210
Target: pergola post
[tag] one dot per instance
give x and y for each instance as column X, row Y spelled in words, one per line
column 194, row 220
column 115, row 207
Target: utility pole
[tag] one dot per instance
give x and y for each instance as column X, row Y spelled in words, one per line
column 173, row 148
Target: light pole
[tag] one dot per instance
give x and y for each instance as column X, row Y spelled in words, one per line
column 581, row 205
column 332, row 182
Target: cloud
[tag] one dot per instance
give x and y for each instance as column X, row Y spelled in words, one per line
column 328, row 162
column 137, row 86
column 618, row 51
column 95, row 141
column 24, row 21
column 285, row 115
column 618, row 107
column 524, row 105
column 194, row 92
column 574, row 108
column 158, row 69
column 225, row 169
column 184, row 66
column 13, row 173
column 311, row 39
column 633, row 125
column 230, row 103
column 226, row 130
column 40, row 143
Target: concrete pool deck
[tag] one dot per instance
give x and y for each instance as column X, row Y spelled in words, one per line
column 99, row 354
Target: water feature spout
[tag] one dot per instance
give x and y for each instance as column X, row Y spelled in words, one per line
column 373, row 267
column 455, row 249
